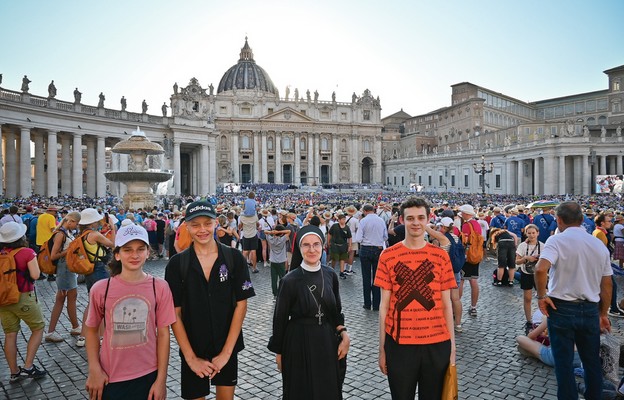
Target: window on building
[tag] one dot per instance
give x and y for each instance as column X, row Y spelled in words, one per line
column 465, row 180
column 302, row 144
column 616, row 85
column 395, row 181
column 270, row 110
column 343, row 145
column 245, row 142
column 420, row 179
column 602, row 120
column 286, row 143
column 224, row 143
column 429, row 181
column 402, row 181
column 452, row 180
column 602, row 104
column 498, row 181
column 325, row 114
column 591, row 121
column 324, row 144
column 366, row 115
column 440, row 181
column 343, row 116
column 245, row 110
column 367, row 146
column 270, row 143
column 223, row 110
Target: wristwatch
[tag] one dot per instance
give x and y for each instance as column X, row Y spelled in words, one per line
column 542, row 297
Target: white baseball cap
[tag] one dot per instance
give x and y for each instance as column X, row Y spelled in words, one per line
column 446, row 221
column 130, row 232
column 467, row 209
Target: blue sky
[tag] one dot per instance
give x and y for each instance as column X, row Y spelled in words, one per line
column 406, row 52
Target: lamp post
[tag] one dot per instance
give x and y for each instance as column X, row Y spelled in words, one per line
column 482, row 169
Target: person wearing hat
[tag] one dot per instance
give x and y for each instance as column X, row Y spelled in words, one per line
column 588, row 221
column 309, row 337
column 210, row 298
column 618, row 239
column 150, row 300
column 415, row 315
column 470, row 271
column 371, row 236
column 498, row 219
column 97, row 247
column 46, row 224
column 27, row 309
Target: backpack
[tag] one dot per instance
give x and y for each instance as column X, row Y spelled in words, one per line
column 9, row 291
column 474, row 246
column 183, row 236
column 77, row 256
column 44, row 257
column 457, row 253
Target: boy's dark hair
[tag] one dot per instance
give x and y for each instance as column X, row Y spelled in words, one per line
column 600, row 218
column 418, row 202
column 315, row 220
column 570, row 213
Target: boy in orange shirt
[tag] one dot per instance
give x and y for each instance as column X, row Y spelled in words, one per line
column 416, row 340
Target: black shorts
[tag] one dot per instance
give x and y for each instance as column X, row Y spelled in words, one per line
column 137, row 388
column 250, row 243
column 470, row 271
column 506, row 255
column 527, row 281
column 193, row 386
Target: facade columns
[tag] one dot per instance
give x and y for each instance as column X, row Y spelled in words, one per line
column 40, row 179
column 586, row 173
column 77, row 165
column 11, row 165
column 297, row 171
column 52, row 160
column 549, row 175
column 204, row 170
column 509, row 186
column 212, row 170
column 66, row 170
column 235, row 164
column 355, row 160
column 618, row 165
column 312, row 178
column 317, row 154
column 578, row 179
column 377, row 152
column 278, row 157
column 520, row 177
column 603, row 165
column 101, row 167
column 177, row 178
column 256, row 158
column 562, row 175
column 25, row 182
column 537, row 177
column 265, row 158
column 90, row 167
column 335, row 157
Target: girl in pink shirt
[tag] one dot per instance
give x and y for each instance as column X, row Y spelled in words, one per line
column 137, row 310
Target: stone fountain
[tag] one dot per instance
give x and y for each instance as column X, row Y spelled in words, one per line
column 140, row 179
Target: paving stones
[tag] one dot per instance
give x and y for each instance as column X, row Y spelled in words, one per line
column 489, row 366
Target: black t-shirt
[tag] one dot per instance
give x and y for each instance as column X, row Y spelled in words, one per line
column 399, row 235
column 208, row 306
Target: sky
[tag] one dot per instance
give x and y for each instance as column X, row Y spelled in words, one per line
column 407, row 52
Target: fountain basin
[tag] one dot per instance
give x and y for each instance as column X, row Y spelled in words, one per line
column 138, row 176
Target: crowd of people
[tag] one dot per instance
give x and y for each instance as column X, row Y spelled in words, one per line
column 415, row 255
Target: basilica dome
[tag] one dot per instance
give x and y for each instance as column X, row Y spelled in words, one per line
column 246, row 74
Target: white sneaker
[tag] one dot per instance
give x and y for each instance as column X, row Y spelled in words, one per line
column 80, row 342
column 266, row 264
column 76, row 331
column 53, row 337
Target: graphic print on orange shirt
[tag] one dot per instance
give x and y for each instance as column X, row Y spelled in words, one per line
column 414, row 285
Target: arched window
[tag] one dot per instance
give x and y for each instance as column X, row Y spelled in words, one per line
column 286, row 143
column 602, row 120
column 366, row 146
column 343, row 145
column 302, row 144
column 270, row 143
column 324, row 144
column 591, row 121
column 245, row 142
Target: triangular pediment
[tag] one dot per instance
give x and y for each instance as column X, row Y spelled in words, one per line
column 287, row 114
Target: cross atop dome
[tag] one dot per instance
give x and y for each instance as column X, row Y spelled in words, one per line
column 246, row 53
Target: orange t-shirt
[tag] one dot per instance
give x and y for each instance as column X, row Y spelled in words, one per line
column 416, row 279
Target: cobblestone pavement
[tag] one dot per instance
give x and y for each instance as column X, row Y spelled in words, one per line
column 489, row 366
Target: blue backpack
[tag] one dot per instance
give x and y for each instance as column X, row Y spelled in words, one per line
column 457, row 253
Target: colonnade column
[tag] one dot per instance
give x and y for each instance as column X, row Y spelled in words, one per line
column 586, row 173
column 256, row 157
column 212, row 183
column 66, row 170
column 11, row 165
column 520, row 177
column 603, row 165
column 537, row 177
column 311, row 175
column 177, row 179
column 90, row 167
column 204, row 170
column 52, row 160
column 265, row 158
column 40, row 179
column 578, row 171
column 618, row 164
column 509, row 186
column 297, row 172
column 335, row 157
column 24, row 170
column 278, row 157
column 562, row 175
column 235, row 164
column 77, row 165
column 317, row 155
column 101, row 167
column 549, row 175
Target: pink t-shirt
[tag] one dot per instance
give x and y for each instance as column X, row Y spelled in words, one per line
column 149, row 224
column 129, row 347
